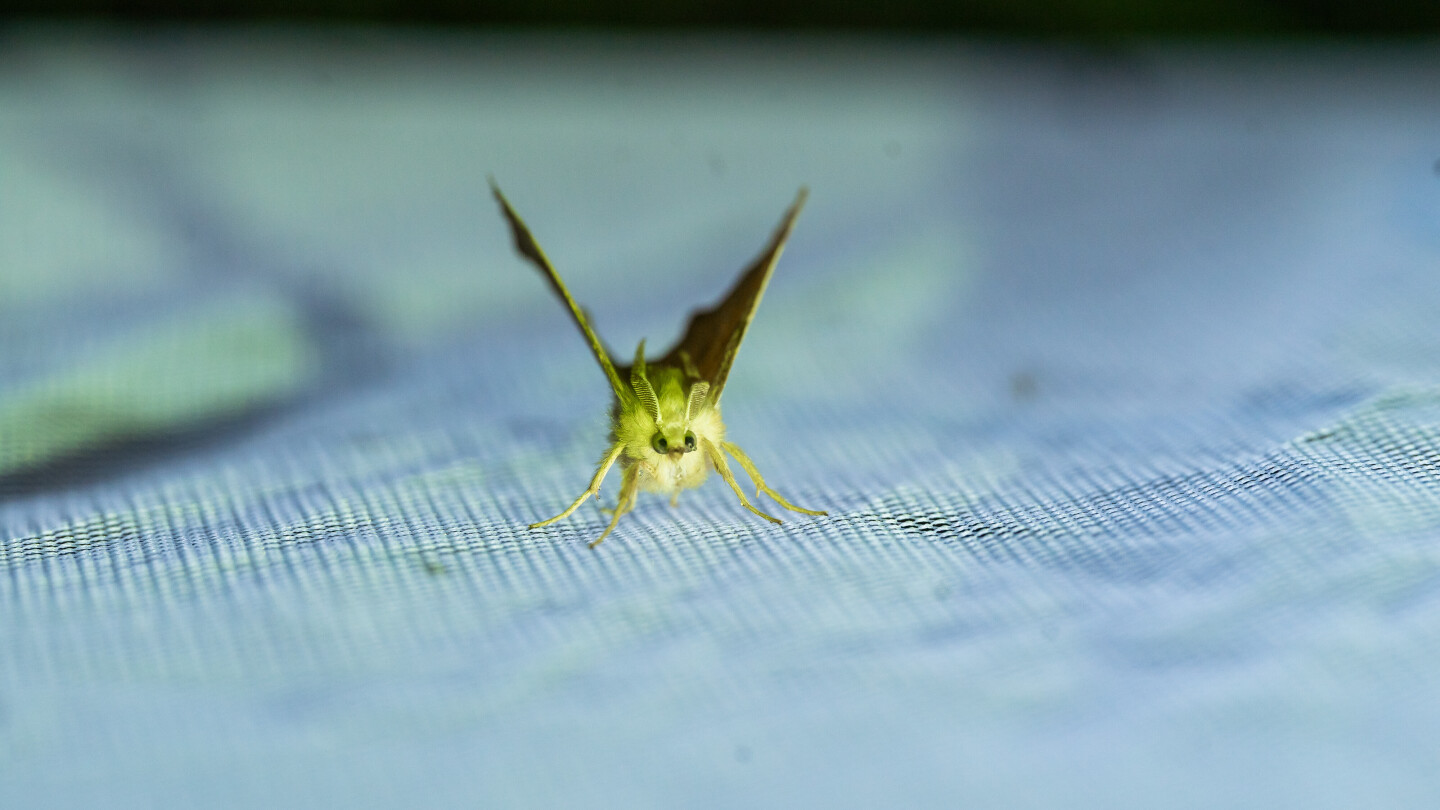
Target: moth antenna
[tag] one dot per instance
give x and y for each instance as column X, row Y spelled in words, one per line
column 646, row 395
column 698, row 392
column 639, row 364
column 641, row 385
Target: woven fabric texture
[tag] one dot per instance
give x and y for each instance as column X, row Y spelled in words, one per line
column 1118, row 372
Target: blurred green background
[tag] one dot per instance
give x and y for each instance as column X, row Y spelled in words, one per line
column 1034, row 17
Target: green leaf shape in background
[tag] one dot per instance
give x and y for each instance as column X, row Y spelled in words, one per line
column 165, row 376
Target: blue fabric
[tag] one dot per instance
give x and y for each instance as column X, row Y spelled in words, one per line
column 1118, row 373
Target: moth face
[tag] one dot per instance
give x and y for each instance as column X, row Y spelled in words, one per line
column 670, row 418
column 674, row 443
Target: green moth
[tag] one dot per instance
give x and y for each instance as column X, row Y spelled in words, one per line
column 665, row 428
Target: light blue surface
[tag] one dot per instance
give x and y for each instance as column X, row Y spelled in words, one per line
column 1118, row 372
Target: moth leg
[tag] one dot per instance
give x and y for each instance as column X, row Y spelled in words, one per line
column 641, row 468
column 718, row 460
column 629, row 486
column 760, row 485
column 675, row 499
column 594, row 488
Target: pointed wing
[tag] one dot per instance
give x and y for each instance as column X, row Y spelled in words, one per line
column 527, row 247
column 713, row 335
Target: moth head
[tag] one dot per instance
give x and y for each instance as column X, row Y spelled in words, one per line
column 674, row 434
column 668, row 407
column 674, row 442
column 695, row 403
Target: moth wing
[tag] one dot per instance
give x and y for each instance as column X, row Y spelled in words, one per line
column 713, row 336
column 526, row 245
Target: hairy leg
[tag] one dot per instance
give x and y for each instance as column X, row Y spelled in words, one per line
column 760, row 485
column 629, row 487
column 594, row 489
column 718, row 460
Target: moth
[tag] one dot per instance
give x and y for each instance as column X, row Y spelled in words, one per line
column 665, row 427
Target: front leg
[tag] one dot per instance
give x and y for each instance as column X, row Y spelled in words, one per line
column 594, row 489
column 718, row 460
column 629, row 487
column 760, row 485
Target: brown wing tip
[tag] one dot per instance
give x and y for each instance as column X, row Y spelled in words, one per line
column 791, row 213
column 787, row 223
column 500, row 198
column 524, row 242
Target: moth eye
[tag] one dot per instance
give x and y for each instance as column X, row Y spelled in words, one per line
column 689, row 441
column 659, row 444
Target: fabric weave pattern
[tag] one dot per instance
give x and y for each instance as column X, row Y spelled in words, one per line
column 1118, row 373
